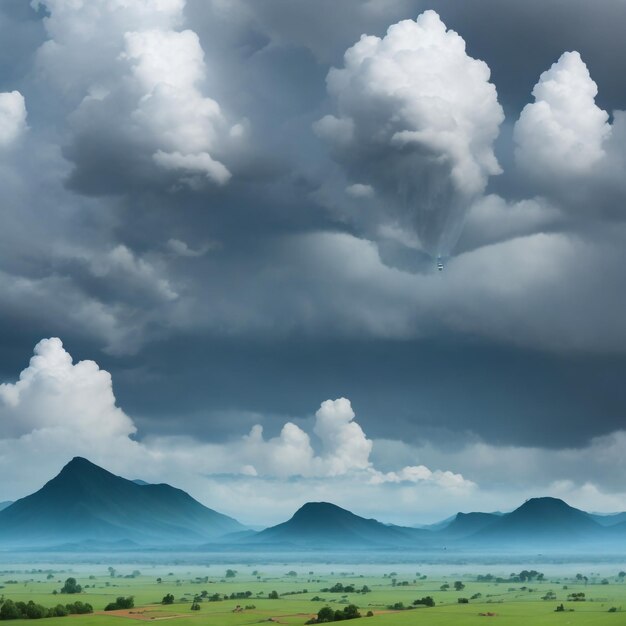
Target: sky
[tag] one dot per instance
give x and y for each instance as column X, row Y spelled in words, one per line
column 220, row 220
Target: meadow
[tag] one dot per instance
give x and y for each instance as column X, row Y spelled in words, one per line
column 300, row 596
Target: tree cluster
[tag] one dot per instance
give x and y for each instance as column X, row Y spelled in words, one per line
column 327, row 614
column 339, row 588
column 121, row 603
column 31, row 610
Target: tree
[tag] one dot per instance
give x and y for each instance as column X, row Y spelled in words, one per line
column 71, row 586
column 351, row 612
column 111, row 571
column 231, row 573
column 35, row 611
column 459, row 586
column 9, row 610
column 325, row 615
column 168, row 599
column 273, row 595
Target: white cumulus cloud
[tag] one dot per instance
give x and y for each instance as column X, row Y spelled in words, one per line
column 564, row 131
column 12, row 117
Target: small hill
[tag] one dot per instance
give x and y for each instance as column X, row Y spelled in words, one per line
column 540, row 521
column 87, row 503
column 318, row 524
column 611, row 519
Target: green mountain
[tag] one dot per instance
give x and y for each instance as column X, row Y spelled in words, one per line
column 322, row 524
column 87, row 503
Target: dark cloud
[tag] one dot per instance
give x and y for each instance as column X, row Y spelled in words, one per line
column 499, row 394
column 295, row 293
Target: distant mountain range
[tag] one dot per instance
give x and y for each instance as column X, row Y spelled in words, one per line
column 87, row 508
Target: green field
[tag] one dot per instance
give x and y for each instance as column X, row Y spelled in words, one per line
column 514, row 603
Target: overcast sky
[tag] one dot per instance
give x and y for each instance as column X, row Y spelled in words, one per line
column 219, row 227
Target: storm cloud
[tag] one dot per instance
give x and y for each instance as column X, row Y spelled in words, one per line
column 233, row 208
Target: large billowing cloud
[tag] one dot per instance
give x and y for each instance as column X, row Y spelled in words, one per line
column 12, row 117
column 417, row 119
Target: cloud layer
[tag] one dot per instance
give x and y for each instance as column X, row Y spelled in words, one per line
column 193, row 186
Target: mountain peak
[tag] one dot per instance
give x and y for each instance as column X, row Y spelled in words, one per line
column 545, row 504
column 80, row 463
column 320, row 508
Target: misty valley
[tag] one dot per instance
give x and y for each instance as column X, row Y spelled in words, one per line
column 107, row 549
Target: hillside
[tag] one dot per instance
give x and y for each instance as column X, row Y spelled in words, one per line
column 86, row 502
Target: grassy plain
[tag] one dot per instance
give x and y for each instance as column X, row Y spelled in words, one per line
column 511, row 603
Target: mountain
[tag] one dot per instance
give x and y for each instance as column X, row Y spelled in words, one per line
column 444, row 523
column 539, row 521
column 322, row 524
column 5, row 504
column 87, row 503
column 467, row 524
